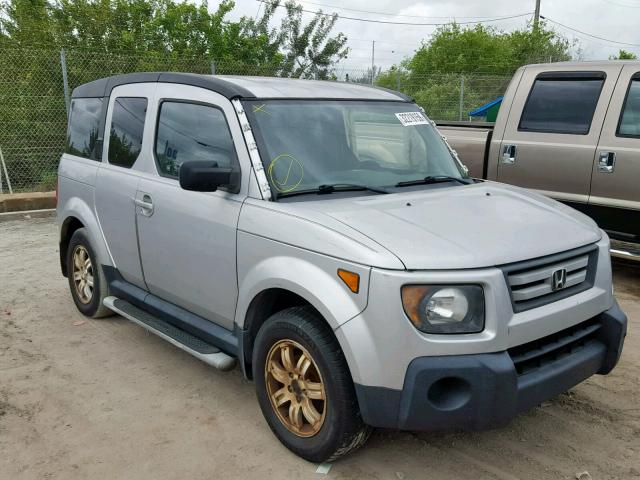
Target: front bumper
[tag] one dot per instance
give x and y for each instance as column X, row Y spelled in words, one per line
column 486, row 390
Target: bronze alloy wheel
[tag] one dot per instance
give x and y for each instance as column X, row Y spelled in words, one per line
column 295, row 388
column 82, row 274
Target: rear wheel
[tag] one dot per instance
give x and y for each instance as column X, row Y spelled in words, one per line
column 304, row 386
column 86, row 280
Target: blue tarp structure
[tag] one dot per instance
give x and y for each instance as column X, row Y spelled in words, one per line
column 484, row 110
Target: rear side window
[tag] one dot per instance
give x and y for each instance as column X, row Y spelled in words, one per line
column 125, row 134
column 562, row 104
column 192, row 132
column 84, row 127
column 630, row 119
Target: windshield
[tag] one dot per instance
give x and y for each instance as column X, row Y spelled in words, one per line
column 308, row 144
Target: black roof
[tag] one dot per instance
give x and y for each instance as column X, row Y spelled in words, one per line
column 103, row 86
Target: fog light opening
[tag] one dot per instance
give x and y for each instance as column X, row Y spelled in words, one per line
column 449, row 393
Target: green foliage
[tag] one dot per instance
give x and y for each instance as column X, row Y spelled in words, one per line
column 624, row 55
column 179, row 28
column 481, row 49
column 308, row 50
column 473, row 63
column 395, row 78
column 107, row 37
column 461, row 50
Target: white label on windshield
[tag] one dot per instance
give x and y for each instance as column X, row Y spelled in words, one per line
column 412, row 118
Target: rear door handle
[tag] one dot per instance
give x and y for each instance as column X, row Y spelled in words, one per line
column 606, row 162
column 146, row 205
column 509, row 154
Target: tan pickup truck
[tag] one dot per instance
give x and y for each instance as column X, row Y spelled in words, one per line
column 570, row 131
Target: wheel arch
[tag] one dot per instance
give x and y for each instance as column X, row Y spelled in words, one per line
column 76, row 214
column 274, row 281
column 67, row 229
column 263, row 305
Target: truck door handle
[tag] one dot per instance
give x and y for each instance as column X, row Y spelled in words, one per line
column 146, row 205
column 607, row 162
column 509, row 154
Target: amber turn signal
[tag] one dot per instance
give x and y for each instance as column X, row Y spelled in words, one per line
column 412, row 295
column 350, row 279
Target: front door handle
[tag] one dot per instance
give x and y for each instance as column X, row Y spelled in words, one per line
column 509, row 154
column 146, row 205
column 606, row 162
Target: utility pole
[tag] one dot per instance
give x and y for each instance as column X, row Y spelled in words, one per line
column 373, row 60
column 536, row 16
column 65, row 80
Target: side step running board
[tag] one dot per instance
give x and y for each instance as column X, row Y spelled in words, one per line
column 626, row 250
column 181, row 339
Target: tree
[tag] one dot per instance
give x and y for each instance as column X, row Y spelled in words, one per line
column 624, row 55
column 26, row 21
column 180, row 29
column 481, row 49
column 308, row 50
column 106, row 37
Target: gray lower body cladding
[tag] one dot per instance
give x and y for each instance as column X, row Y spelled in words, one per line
column 481, row 391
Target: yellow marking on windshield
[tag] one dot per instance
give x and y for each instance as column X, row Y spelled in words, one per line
column 293, row 167
column 260, row 109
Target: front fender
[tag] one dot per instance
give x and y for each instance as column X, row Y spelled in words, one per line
column 265, row 264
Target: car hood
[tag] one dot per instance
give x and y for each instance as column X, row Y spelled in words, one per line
column 473, row 226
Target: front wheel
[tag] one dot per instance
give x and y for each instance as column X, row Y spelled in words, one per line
column 304, row 387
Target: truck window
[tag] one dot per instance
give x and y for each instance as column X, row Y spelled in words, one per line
column 84, row 125
column 630, row 118
column 127, row 126
column 188, row 132
column 562, row 103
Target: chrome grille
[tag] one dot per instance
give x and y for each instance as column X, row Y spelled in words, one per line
column 533, row 283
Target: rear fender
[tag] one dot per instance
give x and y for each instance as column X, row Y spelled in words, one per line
column 76, row 207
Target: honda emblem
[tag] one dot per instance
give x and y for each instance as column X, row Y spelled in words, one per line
column 559, row 279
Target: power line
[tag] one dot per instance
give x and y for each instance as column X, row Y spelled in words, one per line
column 590, row 34
column 368, row 20
column 382, row 41
column 388, row 14
column 621, row 4
column 382, row 51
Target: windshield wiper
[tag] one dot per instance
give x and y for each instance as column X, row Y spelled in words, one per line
column 346, row 187
column 334, row 187
column 433, row 179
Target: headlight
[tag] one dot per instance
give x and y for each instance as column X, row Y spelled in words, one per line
column 444, row 308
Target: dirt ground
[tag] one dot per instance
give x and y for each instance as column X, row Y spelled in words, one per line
column 93, row 399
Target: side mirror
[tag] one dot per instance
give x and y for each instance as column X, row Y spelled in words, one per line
column 204, row 176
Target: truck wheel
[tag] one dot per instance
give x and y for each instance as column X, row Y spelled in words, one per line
column 304, row 386
column 86, row 280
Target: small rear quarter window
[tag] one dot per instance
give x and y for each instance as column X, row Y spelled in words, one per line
column 83, row 133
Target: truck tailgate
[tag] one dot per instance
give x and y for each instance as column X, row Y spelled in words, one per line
column 471, row 141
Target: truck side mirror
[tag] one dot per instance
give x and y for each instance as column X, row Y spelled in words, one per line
column 204, row 176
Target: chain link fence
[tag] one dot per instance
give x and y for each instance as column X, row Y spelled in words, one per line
column 34, row 85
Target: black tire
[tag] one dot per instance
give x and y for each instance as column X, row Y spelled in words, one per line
column 342, row 430
column 93, row 308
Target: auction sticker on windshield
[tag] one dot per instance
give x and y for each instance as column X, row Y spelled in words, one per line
column 412, row 118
